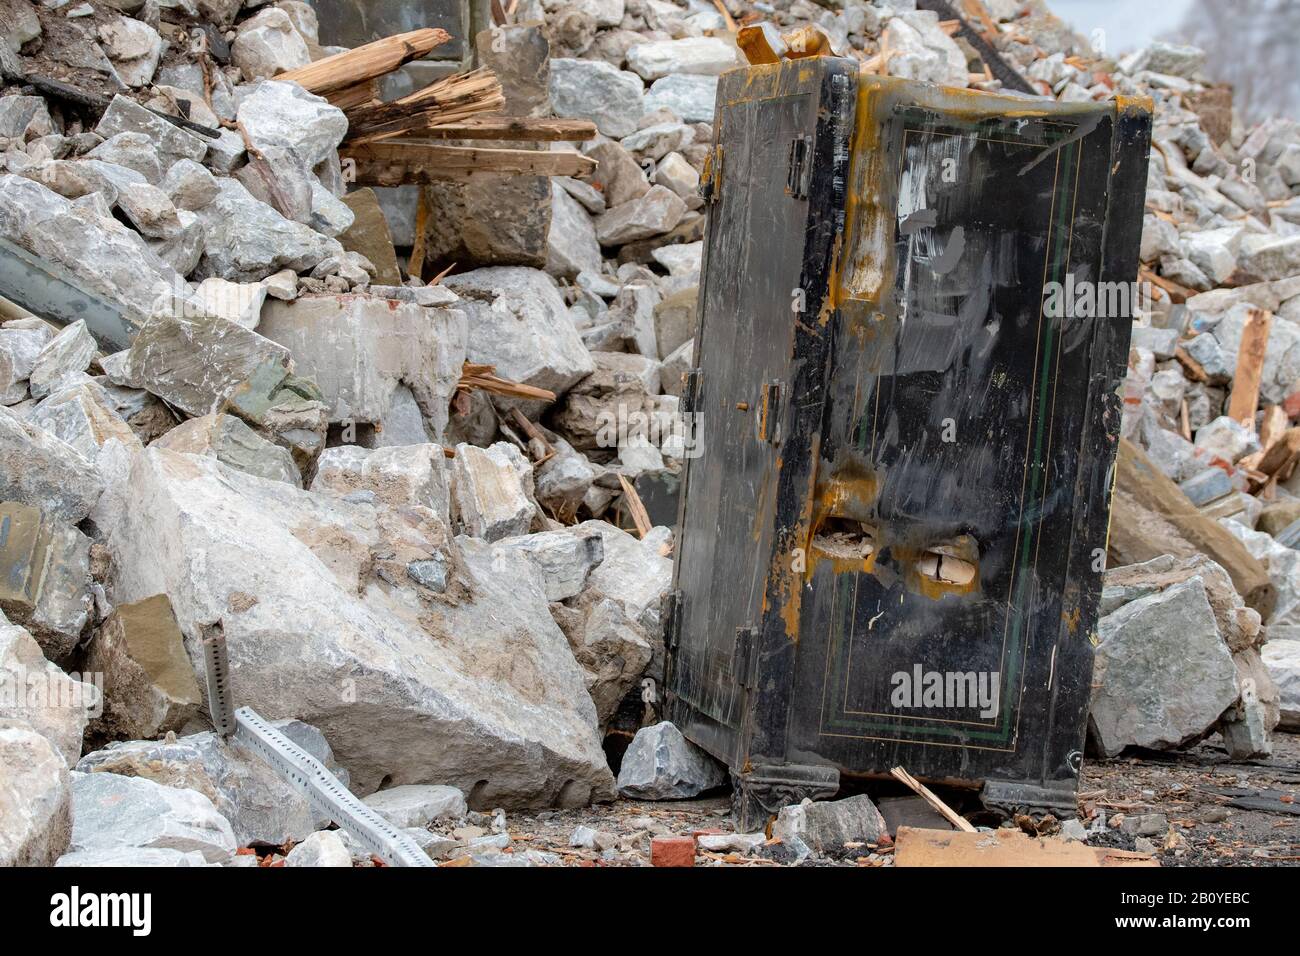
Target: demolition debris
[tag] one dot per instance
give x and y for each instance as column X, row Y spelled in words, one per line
column 380, row 375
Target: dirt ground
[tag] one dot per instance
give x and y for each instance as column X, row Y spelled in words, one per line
column 1190, row 808
column 1195, row 790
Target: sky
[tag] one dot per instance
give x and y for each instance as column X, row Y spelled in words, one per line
column 1129, row 24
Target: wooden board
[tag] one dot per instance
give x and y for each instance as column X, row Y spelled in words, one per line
column 1002, row 848
column 1250, row 367
column 385, row 164
column 519, row 128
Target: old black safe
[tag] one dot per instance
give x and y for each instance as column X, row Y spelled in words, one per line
column 891, row 541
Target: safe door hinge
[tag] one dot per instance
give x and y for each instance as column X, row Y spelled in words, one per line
column 691, row 393
column 670, row 612
column 743, row 656
column 800, row 167
column 711, row 176
column 768, row 422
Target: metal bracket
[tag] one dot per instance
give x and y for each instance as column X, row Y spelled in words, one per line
column 217, row 667
column 324, row 791
column 711, row 176
column 768, row 421
column 670, row 612
column 691, row 393
column 799, row 173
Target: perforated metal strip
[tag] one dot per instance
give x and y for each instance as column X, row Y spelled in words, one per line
column 221, row 702
column 327, row 794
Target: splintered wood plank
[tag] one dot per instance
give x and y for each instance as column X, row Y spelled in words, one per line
column 474, row 375
column 365, row 93
column 365, row 62
column 520, row 128
column 384, row 164
column 1271, row 430
column 1250, row 367
column 453, row 99
column 636, row 508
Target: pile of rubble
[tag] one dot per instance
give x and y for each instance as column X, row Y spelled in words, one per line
column 399, row 503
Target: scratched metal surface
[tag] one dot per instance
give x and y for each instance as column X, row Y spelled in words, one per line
column 933, row 403
column 754, row 252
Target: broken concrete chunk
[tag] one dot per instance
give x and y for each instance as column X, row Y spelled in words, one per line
column 134, row 47
column 491, row 490
column 518, row 322
column 1138, row 700
column 612, row 649
column 653, row 142
column 653, row 214
column 238, row 302
column 674, row 172
column 233, row 443
column 690, row 96
column 619, row 175
column 698, row 56
column 189, row 185
column 123, row 856
column 673, row 370
column 561, row 482
column 399, row 475
column 322, row 848
column 22, row 117
column 247, row 239
column 661, row 764
column 369, row 235
column 824, row 827
column 593, row 90
column 149, row 210
column 1282, row 657
column 170, row 141
column 35, row 799
column 268, row 44
column 111, row 811
column 198, row 364
column 67, row 354
column 562, row 560
column 19, row 348
column 105, row 255
column 921, row 50
column 284, row 115
column 149, row 685
column 418, row 805
column 46, row 577
column 374, row 360
column 610, row 405
column 45, row 472
column 484, row 687
column 85, row 417
column 37, row 691
column 134, row 151
column 571, row 242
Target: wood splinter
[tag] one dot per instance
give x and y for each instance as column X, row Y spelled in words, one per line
column 926, row 794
